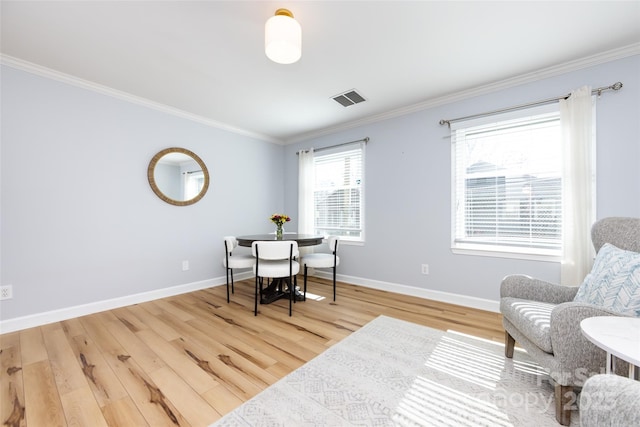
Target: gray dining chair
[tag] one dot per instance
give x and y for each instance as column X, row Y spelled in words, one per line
column 276, row 259
column 322, row 260
column 234, row 262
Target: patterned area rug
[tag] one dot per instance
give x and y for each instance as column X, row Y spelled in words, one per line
column 396, row 373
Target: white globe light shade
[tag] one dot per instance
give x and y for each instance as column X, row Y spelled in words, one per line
column 283, row 39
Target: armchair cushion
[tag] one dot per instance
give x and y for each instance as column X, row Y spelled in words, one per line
column 532, row 318
column 614, row 281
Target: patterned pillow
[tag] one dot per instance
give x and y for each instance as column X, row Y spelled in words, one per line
column 614, row 281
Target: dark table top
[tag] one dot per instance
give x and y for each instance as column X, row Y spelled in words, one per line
column 302, row 239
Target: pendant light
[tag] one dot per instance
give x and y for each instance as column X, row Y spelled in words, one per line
column 283, row 38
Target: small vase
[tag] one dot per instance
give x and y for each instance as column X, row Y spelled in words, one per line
column 279, row 231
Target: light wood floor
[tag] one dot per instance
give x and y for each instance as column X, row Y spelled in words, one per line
column 189, row 359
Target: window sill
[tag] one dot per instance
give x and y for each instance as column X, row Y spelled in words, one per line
column 501, row 253
column 350, row 242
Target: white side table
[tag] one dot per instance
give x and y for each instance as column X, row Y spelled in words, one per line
column 618, row 336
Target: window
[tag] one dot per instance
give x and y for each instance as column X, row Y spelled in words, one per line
column 338, row 192
column 507, row 183
column 193, row 183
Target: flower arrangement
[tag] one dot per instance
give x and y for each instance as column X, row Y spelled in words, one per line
column 279, row 220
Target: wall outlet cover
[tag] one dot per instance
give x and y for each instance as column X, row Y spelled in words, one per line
column 6, row 292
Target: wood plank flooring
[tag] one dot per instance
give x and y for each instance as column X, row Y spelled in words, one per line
column 188, row 360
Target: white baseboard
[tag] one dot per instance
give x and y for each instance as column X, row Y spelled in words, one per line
column 463, row 300
column 39, row 319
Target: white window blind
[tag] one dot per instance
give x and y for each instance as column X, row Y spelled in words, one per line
column 339, row 192
column 507, row 185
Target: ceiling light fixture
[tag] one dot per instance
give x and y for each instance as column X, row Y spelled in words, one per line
column 283, row 38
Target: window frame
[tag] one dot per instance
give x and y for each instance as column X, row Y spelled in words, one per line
column 333, row 151
column 497, row 250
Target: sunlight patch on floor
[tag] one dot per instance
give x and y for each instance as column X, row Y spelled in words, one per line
column 314, row 297
column 444, row 406
column 531, row 368
column 467, row 361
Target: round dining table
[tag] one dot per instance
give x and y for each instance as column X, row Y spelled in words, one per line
column 302, row 239
column 279, row 288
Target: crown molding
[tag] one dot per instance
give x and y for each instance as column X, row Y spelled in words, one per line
column 586, row 62
column 608, row 56
column 39, row 70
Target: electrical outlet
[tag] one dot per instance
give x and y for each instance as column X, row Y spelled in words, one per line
column 425, row 268
column 6, row 292
column 185, row 265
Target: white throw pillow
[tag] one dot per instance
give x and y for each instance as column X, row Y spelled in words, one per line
column 614, row 281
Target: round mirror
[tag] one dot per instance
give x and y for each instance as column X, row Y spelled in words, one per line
column 178, row 176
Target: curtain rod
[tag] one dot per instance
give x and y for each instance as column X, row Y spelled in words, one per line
column 598, row 91
column 365, row 140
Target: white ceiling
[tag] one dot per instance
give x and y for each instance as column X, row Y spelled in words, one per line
column 206, row 58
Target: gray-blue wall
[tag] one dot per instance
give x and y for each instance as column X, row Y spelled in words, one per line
column 81, row 226
column 80, row 223
column 408, row 190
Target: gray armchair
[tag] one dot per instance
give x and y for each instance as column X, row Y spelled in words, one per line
column 545, row 321
column 610, row 400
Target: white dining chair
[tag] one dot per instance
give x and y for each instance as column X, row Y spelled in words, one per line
column 233, row 262
column 322, row 260
column 275, row 259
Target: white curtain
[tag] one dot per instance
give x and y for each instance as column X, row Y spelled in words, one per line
column 305, row 194
column 578, row 185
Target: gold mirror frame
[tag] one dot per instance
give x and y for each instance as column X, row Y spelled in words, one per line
column 154, row 186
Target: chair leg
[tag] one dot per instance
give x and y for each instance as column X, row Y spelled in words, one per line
column 292, row 294
column 304, row 297
column 295, row 288
column 227, row 285
column 232, row 289
column 255, row 308
column 334, row 284
column 509, row 344
column 565, row 398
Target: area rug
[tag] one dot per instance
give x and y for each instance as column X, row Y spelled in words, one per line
column 395, row 373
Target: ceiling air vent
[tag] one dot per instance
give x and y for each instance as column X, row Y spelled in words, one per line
column 348, row 98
